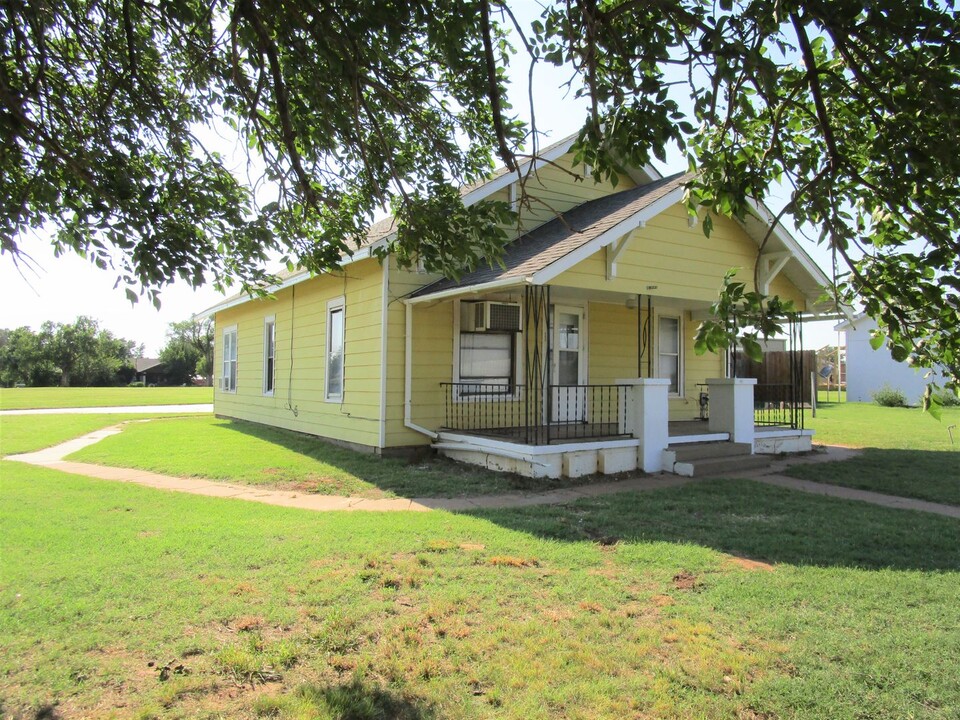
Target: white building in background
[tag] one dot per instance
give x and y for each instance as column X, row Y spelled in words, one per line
column 869, row 370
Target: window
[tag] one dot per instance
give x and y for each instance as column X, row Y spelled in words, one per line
column 335, row 327
column 228, row 381
column 269, row 354
column 488, row 359
column 668, row 351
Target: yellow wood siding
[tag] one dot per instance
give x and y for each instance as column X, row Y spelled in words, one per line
column 432, row 353
column 557, row 187
column 301, row 315
column 679, row 260
column 611, row 343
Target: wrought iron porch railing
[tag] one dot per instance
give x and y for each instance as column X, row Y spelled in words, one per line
column 778, row 405
column 519, row 413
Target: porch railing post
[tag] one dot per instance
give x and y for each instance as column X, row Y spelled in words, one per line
column 731, row 408
column 646, row 417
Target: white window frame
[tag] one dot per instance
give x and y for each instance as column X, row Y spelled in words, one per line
column 679, row 354
column 269, row 354
column 333, row 306
column 225, row 373
column 518, row 342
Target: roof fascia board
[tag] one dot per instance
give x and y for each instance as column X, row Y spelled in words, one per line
column 789, row 241
column 639, row 218
column 508, row 178
column 469, row 290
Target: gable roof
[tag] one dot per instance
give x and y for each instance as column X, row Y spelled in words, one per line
column 143, row 364
column 382, row 230
column 571, row 234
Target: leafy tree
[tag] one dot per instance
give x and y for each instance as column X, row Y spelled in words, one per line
column 80, row 354
column 22, row 360
column 189, row 351
column 351, row 105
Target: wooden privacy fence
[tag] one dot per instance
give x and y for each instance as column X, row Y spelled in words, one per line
column 777, row 368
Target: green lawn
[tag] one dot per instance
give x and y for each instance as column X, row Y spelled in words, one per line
column 121, row 601
column 924, row 474
column 237, row 451
column 870, row 425
column 55, row 397
column 26, row 433
column 907, row 452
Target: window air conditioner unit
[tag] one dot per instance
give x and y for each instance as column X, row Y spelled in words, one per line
column 490, row 316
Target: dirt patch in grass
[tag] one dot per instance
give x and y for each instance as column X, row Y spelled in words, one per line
column 509, row 561
column 686, row 581
column 748, row 564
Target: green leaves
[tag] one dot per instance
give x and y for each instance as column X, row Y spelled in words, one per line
column 739, row 318
column 345, row 107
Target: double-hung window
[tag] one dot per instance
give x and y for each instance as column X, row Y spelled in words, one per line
column 228, row 380
column 269, row 354
column 335, row 347
column 668, row 351
column 488, row 360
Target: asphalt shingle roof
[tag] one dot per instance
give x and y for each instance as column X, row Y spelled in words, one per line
column 569, row 231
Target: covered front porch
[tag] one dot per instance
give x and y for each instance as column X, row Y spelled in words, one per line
column 566, row 384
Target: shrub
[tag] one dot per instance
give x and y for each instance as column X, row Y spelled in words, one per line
column 889, row 397
column 949, row 399
column 135, row 383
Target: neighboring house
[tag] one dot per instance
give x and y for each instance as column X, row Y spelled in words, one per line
column 869, row 370
column 571, row 358
column 151, row 371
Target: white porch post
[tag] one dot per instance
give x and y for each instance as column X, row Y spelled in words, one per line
column 731, row 408
column 647, row 414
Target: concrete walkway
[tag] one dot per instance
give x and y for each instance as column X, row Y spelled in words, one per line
column 115, row 410
column 53, row 457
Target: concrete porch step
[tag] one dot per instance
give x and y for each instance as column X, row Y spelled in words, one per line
column 703, row 450
column 704, row 467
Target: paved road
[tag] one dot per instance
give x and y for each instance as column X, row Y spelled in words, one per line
column 54, row 458
column 152, row 409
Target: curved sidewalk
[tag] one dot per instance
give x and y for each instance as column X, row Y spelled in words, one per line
column 54, row 457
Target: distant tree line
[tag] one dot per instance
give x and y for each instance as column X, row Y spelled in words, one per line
column 82, row 354
column 188, row 354
column 70, row 355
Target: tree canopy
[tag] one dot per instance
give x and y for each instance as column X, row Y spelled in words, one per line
column 188, row 352
column 108, row 107
column 77, row 354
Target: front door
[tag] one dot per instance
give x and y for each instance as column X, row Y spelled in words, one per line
column 569, row 398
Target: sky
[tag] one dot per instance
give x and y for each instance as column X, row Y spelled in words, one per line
column 62, row 288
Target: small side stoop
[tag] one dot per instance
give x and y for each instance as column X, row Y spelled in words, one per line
column 703, row 459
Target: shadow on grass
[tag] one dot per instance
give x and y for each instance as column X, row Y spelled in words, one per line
column 352, row 701
column 421, row 474
column 752, row 520
column 932, row 475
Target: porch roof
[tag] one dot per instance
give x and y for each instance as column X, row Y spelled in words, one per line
column 570, row 231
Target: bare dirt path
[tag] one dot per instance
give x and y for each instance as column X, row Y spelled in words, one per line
column 53, row 457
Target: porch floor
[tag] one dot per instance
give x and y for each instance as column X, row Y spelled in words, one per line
column 677, row 430
column 520, row 434
column 592, row 432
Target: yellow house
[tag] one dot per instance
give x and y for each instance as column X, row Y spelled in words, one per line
column 576, row 356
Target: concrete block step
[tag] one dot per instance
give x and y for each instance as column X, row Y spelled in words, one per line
column 698, row 451
column 705, row 467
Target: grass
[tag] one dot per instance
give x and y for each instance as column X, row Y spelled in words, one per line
column 237, row 451
column 830, row 396
column 868, row 425
column 923, row 474
column 907, row 452
column 55, row 397
column 146, row 604
column 26, row 433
